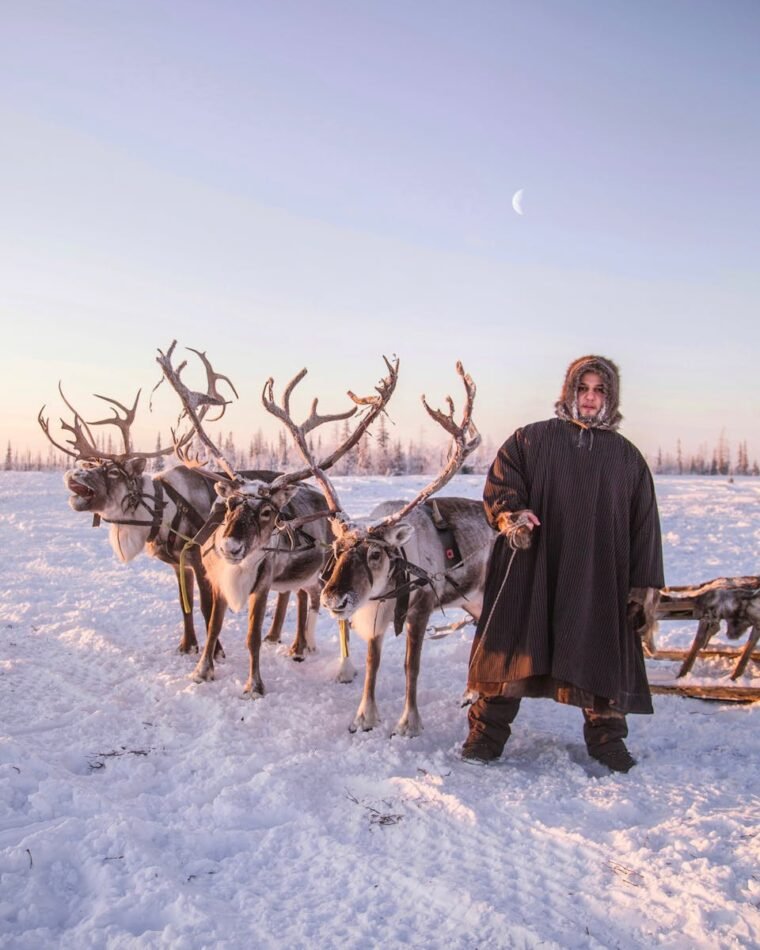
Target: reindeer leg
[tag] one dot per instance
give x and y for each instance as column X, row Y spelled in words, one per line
column 410, row 723
column 311, row 619
column 257, row 605
column 707, row 628
column 206, row 597
column 741, row 666
column 188, row 642
column 279, row 618
column 299, row 645
column 367, row 717
column 204, row 670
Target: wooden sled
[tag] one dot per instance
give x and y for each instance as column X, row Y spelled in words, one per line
column 735, row 600
column 722, row 693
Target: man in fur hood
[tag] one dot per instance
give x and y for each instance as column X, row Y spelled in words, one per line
column 578, row 559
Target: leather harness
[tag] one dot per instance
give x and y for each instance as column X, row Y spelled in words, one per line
column 183, row 510
column 407, row 577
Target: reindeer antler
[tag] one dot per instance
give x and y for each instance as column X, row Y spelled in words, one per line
column 465, row 439
column 84, row 441
column 299, row 433
column 123, row 424
column 211, row 379
column 195, row 408
column 384, row 390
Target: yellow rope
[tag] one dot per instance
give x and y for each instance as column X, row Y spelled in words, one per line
column 343, row 627
column 187, row 607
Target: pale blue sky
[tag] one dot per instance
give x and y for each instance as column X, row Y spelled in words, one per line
column 292, row 183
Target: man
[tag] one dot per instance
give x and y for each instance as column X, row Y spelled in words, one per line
column 577, row 564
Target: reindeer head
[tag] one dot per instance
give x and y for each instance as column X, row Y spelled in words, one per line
column 252, row 515
column 366, row 558
column 101, row 485
column 363, row 566
column 101, row 481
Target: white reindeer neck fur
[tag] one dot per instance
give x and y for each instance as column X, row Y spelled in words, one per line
column 127, row 540
column 233, row 581
column 372, row 619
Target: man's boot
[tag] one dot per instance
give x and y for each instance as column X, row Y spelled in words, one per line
column 490, row 718
column 604, row 733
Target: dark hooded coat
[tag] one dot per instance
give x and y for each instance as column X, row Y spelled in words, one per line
column 559, row 628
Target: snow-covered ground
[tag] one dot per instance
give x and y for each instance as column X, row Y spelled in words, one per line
column 138, row 809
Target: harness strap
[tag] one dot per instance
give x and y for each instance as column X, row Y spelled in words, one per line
column 209, row 526
column 294, row 536
column 401, row 608
column 183, row 509
column 402, row 571
column 157, row 514
column 158, row 510
column 446, row 535
column 212, row 495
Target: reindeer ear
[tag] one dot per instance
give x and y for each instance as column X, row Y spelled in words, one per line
column 223, row 489
column 398, row 534
column 282, row 496
column 135, row 466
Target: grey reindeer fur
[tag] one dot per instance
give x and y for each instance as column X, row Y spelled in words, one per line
column 363, row 570
column 241, row 568
column 100, row 487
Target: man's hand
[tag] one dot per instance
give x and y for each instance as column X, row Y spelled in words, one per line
column 517, row 527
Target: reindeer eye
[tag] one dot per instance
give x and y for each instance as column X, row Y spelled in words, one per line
column 374, row 556
column 265, row 512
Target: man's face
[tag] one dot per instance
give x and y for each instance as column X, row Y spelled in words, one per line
column 591, row 394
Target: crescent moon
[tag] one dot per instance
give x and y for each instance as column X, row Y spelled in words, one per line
column 517, row 201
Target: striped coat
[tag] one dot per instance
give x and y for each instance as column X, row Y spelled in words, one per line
column 559, row 627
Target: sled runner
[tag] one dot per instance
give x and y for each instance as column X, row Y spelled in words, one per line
column 735, row 600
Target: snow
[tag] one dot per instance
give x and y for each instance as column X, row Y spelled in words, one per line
column 138, row 809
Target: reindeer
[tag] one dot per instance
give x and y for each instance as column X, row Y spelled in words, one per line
column 147, row 513
column 270, row 535
column 407, row 561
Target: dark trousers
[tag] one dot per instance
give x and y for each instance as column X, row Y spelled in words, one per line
column 491, row 718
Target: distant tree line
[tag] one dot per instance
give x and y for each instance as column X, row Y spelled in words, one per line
column 719, row 461
column 376, row 454
column 381, row 454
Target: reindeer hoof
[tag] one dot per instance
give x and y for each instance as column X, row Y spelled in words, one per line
column 202, row 674
column 346, row 672
column 271, row 640
column 365, row 723
column 253, row 692
column 219, row 653
column 187, row 647
column 407, row 729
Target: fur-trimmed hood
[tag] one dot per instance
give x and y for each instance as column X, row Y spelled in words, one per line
column 566, row 406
